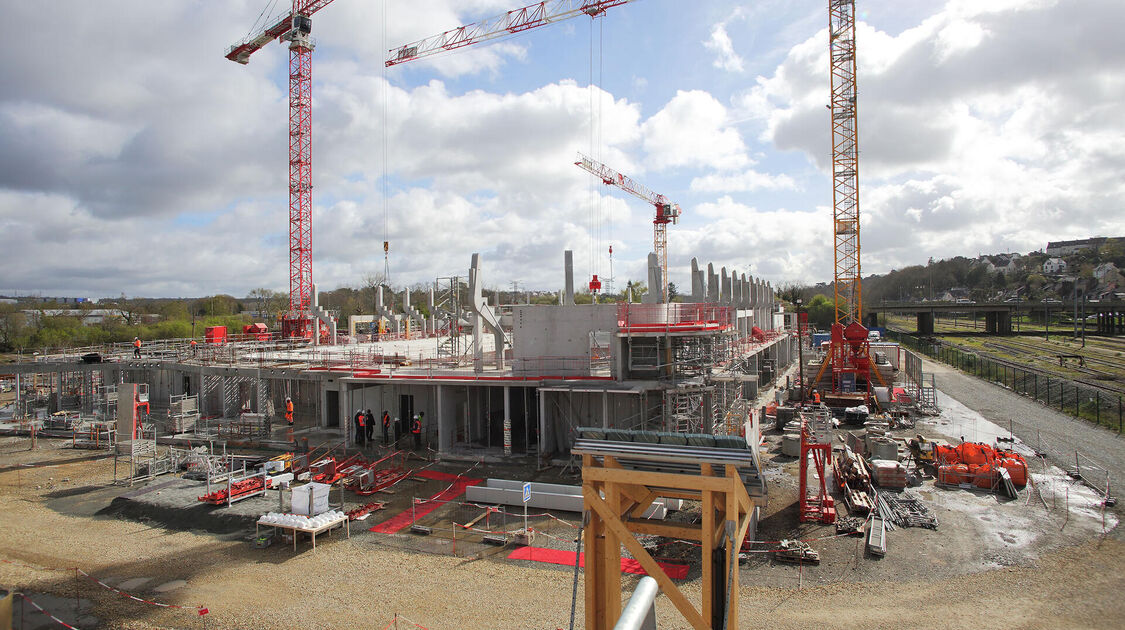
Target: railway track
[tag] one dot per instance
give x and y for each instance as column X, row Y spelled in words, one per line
column 1104, row 381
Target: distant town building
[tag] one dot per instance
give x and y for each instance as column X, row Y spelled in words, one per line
column 1062, row 248
column 90, row 317
column 1054, row 266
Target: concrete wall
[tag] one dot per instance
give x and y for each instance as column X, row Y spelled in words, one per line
column 542, row 333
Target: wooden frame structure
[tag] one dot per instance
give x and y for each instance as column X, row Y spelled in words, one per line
column 614, row 499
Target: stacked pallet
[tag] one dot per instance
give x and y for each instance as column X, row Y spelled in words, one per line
column 889, row 474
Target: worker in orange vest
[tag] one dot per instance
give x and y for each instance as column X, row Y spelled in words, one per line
column 816, row 396
column 360, row 426
column 386, row 427
column 136, row 347
column 193, row 348
column 416, row 429
column 289, row 410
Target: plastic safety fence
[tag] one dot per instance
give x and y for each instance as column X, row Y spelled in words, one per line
column 456, row 488
column 566, row 558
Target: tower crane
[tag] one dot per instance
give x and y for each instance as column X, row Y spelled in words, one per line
column 849, row 349
column 666, row 211
column 295, row 27
column 501, row 26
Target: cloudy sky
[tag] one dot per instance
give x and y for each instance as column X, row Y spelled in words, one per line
column 135, row 159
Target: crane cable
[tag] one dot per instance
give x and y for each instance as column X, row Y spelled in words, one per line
column 386, row 89
column 595, row 214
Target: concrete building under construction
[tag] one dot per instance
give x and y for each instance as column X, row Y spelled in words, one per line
column 488, row 380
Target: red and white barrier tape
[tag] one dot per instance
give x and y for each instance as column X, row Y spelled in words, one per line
column 200, row 609
column 40, row 609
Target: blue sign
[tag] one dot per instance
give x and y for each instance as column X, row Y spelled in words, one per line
column 526, row 491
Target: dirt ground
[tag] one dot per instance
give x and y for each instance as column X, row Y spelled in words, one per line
column 1040, row 561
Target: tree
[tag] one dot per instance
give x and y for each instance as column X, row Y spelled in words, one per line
column 267, row 301
column 791, row 291
column 673, row 292
column 822, row 312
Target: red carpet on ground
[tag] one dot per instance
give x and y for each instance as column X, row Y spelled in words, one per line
column 409, row 516
column 558, row 556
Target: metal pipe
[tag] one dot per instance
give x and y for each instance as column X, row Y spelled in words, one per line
column 640, row 612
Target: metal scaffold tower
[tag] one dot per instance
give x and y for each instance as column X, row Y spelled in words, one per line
column 816, row 502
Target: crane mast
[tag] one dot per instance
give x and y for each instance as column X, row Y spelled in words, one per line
column 666, row 211
column 845, row 162
column 295, row 27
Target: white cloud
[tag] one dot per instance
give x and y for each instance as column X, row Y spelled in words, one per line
column 692, row 131
column 720, row 44
column 983, row 128
column 746, row 181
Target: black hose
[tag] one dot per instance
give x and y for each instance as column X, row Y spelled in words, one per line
column 574, row 586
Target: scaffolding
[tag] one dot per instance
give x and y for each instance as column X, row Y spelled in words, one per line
column 140, row 460
column 183, row 413
column 449, row 303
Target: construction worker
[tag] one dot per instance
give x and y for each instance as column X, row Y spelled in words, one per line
column 416, row 429
column 360, row 429
column 816, row 396
column 386, row 427
column 289, row 410
column 369, row 422
column 193, row 348
column 136, row 347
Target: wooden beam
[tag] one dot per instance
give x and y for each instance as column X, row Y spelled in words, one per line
column 678, row 599
column 611, row 557
column 708, row 546
column 595, row 607
column 732, row 517
column 660, row 528
column 644, row 503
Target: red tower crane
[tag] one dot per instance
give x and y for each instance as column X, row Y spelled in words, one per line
column 501, row 26
column 666, row 211
column 295, row 28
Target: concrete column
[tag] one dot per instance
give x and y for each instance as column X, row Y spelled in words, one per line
column 568, row 270
column 712, row 284
column 735, row 291
column 925, row 322
column 605, row 409
column 507, row 420
column 698, row 292
column 542, row 427
column 654, row 294
column 724, row 287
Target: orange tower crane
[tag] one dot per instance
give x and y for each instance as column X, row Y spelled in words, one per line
column 849, row 350
column 295, row 27
column 666, row 211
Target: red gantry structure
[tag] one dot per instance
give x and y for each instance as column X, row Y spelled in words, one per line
column 295, row 28
column 666, row 211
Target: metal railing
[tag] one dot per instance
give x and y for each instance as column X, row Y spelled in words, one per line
column 1100, row 406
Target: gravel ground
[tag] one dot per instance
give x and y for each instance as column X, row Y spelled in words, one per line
column 990, row 565
column 1059, row 434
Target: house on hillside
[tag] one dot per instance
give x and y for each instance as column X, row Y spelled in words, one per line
column 1104, row 270
column 1054, row 266
column 1004, row 263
